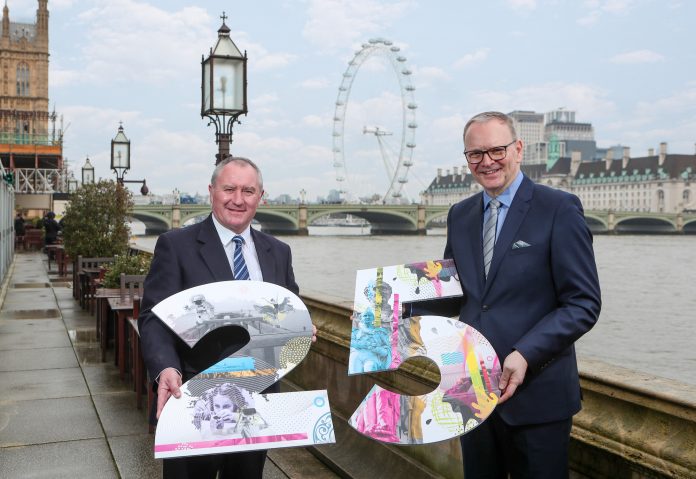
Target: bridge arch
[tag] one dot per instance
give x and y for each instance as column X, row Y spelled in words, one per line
column 155, row 224
column 690, row 226
column 274, row 221
column 597, row 224
column 387, row 220
column 644, row 225
column 432, row 217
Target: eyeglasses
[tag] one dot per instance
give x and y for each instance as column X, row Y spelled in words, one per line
column 497, row 153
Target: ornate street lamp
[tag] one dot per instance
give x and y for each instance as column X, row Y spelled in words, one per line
column 120, row 154
column 224, row 89
column 120, row 159
column 72, row 184
column 87, row 172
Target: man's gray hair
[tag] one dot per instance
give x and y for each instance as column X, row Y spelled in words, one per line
column 487, row 116
column 236, row 159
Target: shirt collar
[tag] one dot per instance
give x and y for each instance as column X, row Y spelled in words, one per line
column 226, row 235
column 506, row 196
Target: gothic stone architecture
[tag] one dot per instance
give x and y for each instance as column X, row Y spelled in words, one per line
column 28, row 146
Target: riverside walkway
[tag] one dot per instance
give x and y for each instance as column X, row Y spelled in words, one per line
column 64, row 413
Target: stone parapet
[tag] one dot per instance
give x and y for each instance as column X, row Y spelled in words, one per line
column 631, row 426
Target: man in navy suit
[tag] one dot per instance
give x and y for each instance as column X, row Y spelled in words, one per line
column 201, row 254
column 536, row 297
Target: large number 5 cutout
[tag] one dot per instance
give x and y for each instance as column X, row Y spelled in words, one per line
column 221, row 409
column 382, row 339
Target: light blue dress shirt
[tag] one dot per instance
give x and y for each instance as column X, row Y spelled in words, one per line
column 505, row 199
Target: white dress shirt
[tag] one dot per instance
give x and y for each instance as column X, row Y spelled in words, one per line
column 248, row 249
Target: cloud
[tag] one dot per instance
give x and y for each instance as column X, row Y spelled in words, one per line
column 597, row 8
column 587, row 100
column 332, row 24
column 425, row 76
column 127, row 41
column 315, row 83
column 317, row 121
column 637, row 56
column 522, row 4
column 472, row 58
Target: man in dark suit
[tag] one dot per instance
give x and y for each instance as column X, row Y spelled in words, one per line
column 525, row 260
column 200, row 254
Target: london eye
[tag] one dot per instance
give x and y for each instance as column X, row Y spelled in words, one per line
column 397, row 161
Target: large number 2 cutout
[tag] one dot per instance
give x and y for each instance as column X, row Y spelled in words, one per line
column 221, row 409
column 382, row 339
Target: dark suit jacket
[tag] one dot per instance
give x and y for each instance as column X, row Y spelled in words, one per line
column 537, row 300
column 189, row 257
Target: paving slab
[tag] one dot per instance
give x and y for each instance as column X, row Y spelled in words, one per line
column 31, row 340
column 10, row 312
column 135, row 456
column 58, row 460
column 30, row 385
column 33, row 298
column 118, row 414
column 45, row 421
column 32, row 326
column 104, row 378
column 31, row 359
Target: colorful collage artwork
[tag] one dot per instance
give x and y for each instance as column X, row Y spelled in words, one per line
column 382, row 339
column 221, row 409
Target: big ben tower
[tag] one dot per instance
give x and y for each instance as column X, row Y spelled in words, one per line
column 29, row 144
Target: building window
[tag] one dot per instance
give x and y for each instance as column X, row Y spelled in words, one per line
column 22, row 79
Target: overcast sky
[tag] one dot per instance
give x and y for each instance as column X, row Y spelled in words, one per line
column 626, row 66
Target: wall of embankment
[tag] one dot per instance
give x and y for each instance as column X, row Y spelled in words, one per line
column 631, row 426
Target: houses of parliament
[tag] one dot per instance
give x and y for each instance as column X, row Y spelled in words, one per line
column 30, row 146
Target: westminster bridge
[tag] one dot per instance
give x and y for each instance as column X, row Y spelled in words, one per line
column 400, row 219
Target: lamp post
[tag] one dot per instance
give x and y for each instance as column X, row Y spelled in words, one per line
column 87, row 172
column 120, row 159
column 224, row 89
column 72, row 184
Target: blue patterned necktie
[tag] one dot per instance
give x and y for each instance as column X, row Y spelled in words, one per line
column 489, row 230
column 240, row 268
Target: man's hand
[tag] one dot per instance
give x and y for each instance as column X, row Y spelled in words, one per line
column 514, row 370
column 314, row 333
column 168, row 385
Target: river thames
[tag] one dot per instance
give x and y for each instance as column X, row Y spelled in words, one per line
column 648, row 318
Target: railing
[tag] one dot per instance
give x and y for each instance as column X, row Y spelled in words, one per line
column 14, row 138
column 7, row 236
column 39, row 180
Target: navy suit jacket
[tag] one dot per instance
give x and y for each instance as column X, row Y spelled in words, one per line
column 538, row 299
column 189, row 257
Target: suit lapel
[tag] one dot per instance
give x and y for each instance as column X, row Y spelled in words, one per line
column 518, row 210
column 263, row 253
column 470, row 230
column 213, row 253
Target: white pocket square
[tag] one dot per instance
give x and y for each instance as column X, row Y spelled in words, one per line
column 520, row 244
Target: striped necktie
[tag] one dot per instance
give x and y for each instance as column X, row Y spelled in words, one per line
column 489, row 230
column 240, row 268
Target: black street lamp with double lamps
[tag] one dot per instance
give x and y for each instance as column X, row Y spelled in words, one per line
column 224, row 89
column 120, row 159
